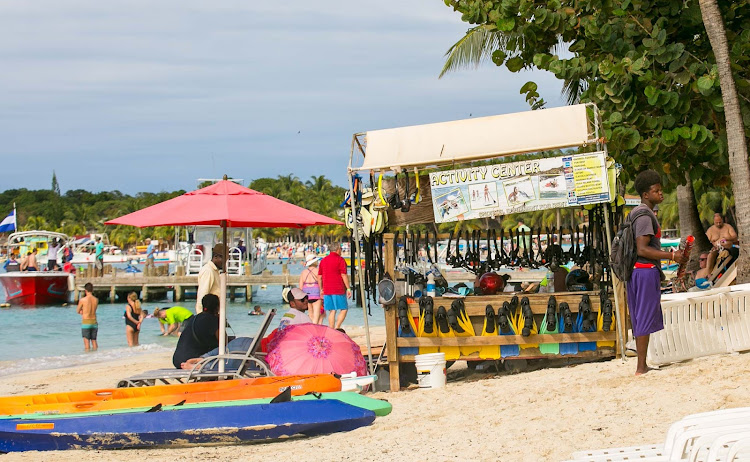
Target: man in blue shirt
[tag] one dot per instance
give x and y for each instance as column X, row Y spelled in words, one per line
column 99, row 255
column 149, row 255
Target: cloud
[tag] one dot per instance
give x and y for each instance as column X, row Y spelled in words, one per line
column 149, row 96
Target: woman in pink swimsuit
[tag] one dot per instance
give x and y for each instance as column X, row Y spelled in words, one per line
column 309, row 282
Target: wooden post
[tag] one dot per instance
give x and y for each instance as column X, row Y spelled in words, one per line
column 112, row 294
column 232, row 295
column 621, row 313
column 389, row 258
column 178, row 294
column 144, row 293
column 249, row 293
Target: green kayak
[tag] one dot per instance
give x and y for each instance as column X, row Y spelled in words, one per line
column 378, row 406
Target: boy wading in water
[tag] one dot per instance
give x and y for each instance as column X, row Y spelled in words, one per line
column 644, row 287
column 87, row 309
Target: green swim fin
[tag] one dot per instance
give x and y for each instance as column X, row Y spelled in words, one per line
column 462, row 326
column 549, row 326
column 489, row 330
column 426, row 326
column 444, row 330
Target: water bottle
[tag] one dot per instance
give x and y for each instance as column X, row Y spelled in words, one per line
column 430, row 285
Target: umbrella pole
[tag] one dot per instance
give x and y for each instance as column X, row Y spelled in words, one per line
column 223, row 299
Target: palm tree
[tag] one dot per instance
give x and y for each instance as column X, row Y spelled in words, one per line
column 736, row 144
column 479, row 46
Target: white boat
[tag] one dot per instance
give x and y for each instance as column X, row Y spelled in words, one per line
column 33, row 288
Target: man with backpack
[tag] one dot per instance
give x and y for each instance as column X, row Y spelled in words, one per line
column 644, row 285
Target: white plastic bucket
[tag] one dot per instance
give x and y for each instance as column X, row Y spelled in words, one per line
column 430, row 370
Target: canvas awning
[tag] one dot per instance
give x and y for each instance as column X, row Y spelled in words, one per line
column 478, row 138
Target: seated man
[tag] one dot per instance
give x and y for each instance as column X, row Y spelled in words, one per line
column 201, row 332
column 297, row 300
column 722, row 236
column 298, row 304
column 174, row 318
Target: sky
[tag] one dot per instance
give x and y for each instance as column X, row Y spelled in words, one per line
column 150, row 96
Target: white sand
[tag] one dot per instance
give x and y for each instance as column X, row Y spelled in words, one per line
column 533, row 416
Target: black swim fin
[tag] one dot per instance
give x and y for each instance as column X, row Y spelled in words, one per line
column 441, row 318
column 567, row 317
column 489, row 320
column 513, row 306
column 551, row 313
column 584, row 309
column 453, row 314
column 606, row 314
column 403, row 315
column 426, row 304
column 503, row 321
column 528, row 317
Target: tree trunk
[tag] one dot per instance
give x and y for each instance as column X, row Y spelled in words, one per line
column 690, row 222
column 738, row 164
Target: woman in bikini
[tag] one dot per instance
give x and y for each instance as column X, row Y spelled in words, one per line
column 133, row 319
column 309, row 282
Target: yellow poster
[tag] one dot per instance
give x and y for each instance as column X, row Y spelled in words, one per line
column 589, row 175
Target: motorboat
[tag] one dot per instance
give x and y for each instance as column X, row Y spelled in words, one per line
column 32, row 288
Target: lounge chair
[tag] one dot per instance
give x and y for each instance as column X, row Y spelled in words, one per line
column 707, row 436
column 251, row 363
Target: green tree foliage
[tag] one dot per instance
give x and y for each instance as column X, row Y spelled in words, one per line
column 79, row 212
column 646, row 64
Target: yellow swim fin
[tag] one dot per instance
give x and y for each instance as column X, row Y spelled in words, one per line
column 489, row 330
column 461, row 325
column 525, row 323
column 426, row 327
column 606, row 313
column 444, row 330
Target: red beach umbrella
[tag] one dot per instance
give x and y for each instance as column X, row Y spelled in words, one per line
column 228, row 205
column 315, row 349
column 224, row 203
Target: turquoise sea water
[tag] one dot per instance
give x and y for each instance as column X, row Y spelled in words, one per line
column 50, row 337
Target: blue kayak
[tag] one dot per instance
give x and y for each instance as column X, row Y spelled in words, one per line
column 183, row 427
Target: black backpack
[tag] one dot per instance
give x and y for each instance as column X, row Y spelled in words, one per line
column 624, row 251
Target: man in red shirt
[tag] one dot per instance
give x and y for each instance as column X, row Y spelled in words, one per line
column 334, row 286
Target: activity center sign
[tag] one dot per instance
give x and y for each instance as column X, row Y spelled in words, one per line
column 514, row 187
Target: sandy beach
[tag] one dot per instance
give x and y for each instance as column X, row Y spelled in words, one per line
column 530, row 416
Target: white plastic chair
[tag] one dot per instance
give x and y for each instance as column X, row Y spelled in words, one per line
column 234, row 261
column 194, row 261
column 721, row 446
column 737, row 320
column 692, row 328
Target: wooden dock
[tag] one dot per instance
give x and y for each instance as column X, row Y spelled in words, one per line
column 151, row 287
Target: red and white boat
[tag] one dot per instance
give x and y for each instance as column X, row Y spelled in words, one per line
column 32, row 288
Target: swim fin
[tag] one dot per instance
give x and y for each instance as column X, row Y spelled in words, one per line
column 444, row 330
column 466, row 329
column 567, row 326
column 584, row 324
column 525, row 323
column 426, row 326
column 604, row 321
column 406, row 326
column 549, row 326
column 506, row 326
column 489, row 330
